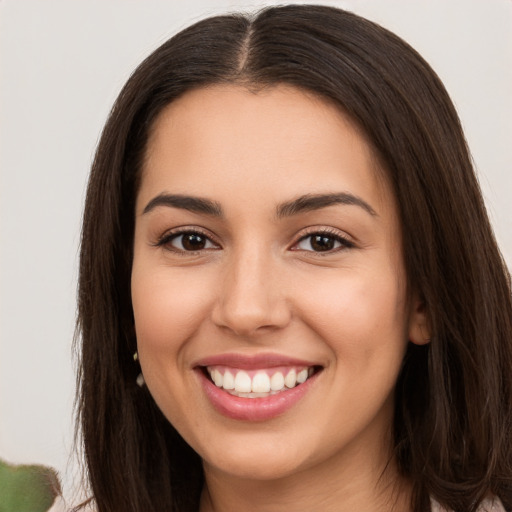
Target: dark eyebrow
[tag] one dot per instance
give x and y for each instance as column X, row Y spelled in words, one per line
column 311, row 202
column 190, row 203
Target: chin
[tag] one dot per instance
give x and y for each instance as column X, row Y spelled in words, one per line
column 258, row 457
column 257, row 468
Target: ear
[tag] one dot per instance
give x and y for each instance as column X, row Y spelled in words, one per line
column 419, row 330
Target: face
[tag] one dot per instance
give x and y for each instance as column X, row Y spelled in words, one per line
column 268, row 284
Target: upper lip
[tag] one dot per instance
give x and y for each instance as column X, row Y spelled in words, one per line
column 253, row 361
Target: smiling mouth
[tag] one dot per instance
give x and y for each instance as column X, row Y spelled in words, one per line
column 258, row 383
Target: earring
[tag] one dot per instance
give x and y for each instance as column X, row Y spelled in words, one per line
column 140, row 378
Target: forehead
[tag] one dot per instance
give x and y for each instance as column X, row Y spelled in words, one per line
column 279, row 140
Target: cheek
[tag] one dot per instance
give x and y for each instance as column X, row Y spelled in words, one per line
column 169, row 306
column 168, row 311
column 358, row 316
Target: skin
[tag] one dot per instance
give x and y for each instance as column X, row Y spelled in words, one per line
column 258, row 286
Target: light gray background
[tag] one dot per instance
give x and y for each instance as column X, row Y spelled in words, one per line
column 62, row 65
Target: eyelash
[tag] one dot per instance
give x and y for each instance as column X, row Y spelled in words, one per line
column 344, row 242
column 169, row 237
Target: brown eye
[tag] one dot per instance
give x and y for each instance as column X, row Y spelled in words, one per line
column 190, row 241
column 193, row 242
column 323, row 242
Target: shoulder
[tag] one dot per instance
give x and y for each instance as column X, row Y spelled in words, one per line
column 59, row 505
column 488, row 505
column 492, row 505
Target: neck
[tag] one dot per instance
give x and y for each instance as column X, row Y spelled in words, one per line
column 360, row 480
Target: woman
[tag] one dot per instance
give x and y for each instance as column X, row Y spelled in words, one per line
column 290, row 294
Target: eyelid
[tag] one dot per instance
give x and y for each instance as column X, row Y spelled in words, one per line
column 170, row 234
column 345, row 241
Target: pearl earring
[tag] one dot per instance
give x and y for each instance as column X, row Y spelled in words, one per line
column 140, row 378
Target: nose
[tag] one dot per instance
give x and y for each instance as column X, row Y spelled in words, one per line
column 251, row 298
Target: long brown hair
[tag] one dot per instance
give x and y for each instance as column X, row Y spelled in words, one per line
column 453, row 417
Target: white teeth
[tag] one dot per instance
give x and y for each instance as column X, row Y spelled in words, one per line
column 301, row 376
column 239, row 382
column 251, row 395
column 229, row 381
column 260, row 383
column 217, row 378
column 291, row 379
column 277, row 382
column 243, row 382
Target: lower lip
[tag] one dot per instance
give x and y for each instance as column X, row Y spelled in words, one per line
column 254, row 409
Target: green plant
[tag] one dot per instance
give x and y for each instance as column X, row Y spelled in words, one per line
column 25, row 488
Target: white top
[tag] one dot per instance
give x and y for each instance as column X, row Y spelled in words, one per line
column 488, row 505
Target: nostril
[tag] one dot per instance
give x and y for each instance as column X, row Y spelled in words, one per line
column 250, row 310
